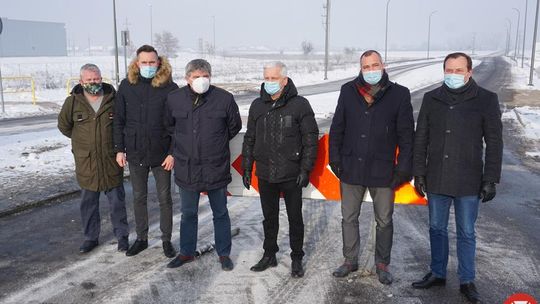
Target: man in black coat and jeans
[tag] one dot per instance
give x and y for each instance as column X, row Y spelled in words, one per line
column 281, row 137
column 140, row 138
column 451, row 166
column 373, row 118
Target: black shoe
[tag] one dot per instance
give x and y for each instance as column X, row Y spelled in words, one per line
column 264, row 263
column 88, row 246
column 168, row 249
column 137, row 247
column 385, row 277
column 123, row 244
column 428, row 281
column 296, row 269
column 180, row 260
column 345, row 269
column 470, row 292
column 226, row 263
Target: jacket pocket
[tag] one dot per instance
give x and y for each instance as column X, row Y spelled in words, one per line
column 83, row 162
column 382, row 166
column 181, row 121
column 215, row 169
column 130, row 140
column 181, row 169
column 216, row 122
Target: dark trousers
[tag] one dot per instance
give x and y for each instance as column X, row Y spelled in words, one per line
column 90, row 217
column 270, row 193
column 139, row 182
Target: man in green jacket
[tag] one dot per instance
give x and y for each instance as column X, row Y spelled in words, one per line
column 87, row 118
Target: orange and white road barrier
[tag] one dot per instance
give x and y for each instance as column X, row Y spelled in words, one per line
column 323, row 183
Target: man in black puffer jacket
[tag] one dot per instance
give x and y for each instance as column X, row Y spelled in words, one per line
column 140, row 138
column 282, row 138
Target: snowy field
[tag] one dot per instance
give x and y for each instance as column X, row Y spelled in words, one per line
column 55, row 76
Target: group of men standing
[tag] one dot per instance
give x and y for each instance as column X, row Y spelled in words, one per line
column 152, row 125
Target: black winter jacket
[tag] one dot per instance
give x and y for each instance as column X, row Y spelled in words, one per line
column 449, row 142
column 200, row 137
column 139, row 128
column 364, row 138
column 281, row 136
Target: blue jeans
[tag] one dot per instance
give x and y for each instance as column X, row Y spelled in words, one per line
column 189, row 221
column 466, row 212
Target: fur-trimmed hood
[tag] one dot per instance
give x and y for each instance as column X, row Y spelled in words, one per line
column 163, row 74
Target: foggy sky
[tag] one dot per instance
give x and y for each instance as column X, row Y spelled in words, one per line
column 284, row 24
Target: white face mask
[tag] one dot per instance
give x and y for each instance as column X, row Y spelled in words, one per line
column 200, row 85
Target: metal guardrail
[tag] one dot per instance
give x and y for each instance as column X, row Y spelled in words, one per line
column 32, row 86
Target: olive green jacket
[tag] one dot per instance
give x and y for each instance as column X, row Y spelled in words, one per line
column 91, row 139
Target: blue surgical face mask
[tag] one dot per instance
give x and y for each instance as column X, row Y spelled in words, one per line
column 454, row 81
column 148, row 71
column 372, row 77
column 271, row 87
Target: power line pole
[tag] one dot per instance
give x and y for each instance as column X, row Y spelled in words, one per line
column 327, row 27
column 534, row 43
column 517, row 33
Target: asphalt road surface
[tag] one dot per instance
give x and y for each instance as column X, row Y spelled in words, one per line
column 39, row 260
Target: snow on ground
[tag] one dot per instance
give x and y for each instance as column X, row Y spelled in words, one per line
column 42, row 153
column 529, row 119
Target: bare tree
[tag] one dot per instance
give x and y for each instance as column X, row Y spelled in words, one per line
column 307, row 47
column 166, row 44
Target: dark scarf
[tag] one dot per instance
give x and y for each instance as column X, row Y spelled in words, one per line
column 372, row 92
column 460, row 94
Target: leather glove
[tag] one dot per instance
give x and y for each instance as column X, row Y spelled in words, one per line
column 420, row 185
column 303, row 179
column 246, row 179
column 336, row 168
column 399, row 179
column 487, row 192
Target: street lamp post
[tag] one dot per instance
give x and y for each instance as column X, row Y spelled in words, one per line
column 429, row 32
column 386, row 32
column 524, row 33
column 151, row 30
column 214, row 32
column 116, row 72
column 508, row 36
column 517, row 32
column 534, row 43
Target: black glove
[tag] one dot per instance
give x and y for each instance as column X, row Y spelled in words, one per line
column 336, row 168
column 399, row 179
column 487, row 192
column 420, row 185
column 303, row 179
column 246, row 179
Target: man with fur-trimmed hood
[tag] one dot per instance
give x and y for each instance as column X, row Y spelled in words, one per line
column 140, row 139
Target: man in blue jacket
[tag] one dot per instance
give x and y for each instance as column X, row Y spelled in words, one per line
column 373, row 118
column 201, row 120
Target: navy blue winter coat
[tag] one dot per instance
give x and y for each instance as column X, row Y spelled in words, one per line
column 200, row 136
column 364, row 139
